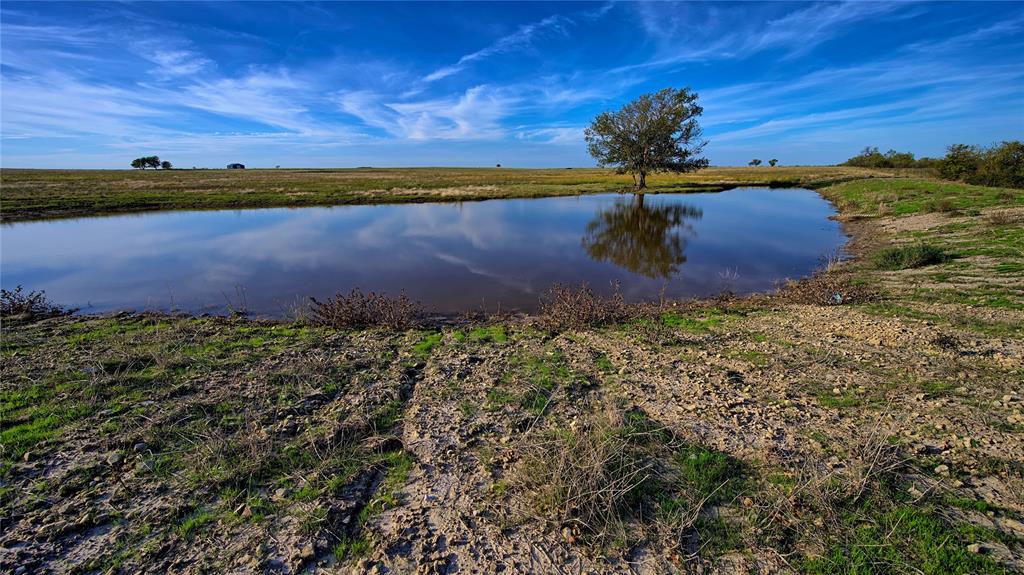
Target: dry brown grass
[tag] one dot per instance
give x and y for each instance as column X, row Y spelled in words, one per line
column 827, row 289
column 359, row 310
column 588, row 479
column 563, row 307
column 1004, row 217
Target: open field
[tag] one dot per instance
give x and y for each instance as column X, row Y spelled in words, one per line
column 36, row 194
column 771, row 434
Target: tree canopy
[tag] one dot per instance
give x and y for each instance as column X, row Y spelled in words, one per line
column 146, row 162
column 654, row 133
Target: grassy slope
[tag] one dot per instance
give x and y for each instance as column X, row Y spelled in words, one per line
column 34, row 194
column 245, row 413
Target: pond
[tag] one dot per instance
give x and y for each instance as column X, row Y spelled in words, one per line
column 495, row 254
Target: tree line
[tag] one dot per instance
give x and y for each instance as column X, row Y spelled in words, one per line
column 151, row 162
column 996, row 165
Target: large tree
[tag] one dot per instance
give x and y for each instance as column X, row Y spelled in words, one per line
column 654, row 133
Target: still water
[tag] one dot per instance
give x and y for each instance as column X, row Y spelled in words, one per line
column 451, row 257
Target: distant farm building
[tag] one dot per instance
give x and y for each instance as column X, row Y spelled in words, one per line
column 236, row 166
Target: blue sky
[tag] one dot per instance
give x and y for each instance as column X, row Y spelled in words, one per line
column 392, row 84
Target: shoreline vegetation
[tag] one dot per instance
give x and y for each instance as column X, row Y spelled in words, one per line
column 47, row 194
column 877, row 431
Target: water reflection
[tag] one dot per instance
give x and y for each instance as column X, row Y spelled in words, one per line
column 495, row 254
column 645, row 239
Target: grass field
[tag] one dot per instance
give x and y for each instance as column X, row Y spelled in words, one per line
column 38, row 194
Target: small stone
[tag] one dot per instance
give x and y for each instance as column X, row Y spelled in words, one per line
column 27, row 456
column 145, row 466
column 140, row 447
column 21, row 570
column 977, row 548
column 942, row 469
column 115, row 459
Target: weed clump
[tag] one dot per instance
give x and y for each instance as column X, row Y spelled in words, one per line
column 359, row 310
column 588, row 479
column 913, row 256
column 16, row 304
column 564, row 307
column 1004, row 218
column 615, row 480
column 827, row 289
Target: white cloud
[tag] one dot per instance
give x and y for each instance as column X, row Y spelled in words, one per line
column 518, row 40
column 178, row 62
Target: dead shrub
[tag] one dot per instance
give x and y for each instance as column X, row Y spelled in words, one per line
column 564, row 307
column 16, row 304
column 940, row 205
column 826, row 289
column 359, row 310
column 1003, row 218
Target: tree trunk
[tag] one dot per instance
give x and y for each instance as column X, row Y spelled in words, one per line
column 642, row 181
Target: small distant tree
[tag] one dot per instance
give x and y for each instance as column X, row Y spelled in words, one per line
column 772, row 162
column 138, row 164
column 165, row 165
column 655, row 133
column 755, row 162
column 152, row 161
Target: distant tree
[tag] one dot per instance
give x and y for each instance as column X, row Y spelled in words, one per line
column 138, row 164
column 998, row 165
column 655, row 133
column 870, row 157
column 498, row 166
column 772, row 162
column 152, row 161
column 755, row 162
column 165, row 165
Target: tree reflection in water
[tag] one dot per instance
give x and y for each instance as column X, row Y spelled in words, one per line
column 644, row 239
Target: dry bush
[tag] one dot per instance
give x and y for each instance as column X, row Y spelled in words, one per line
column 940, row 205
column 589, row 479
column 826, row 289
column 563, row 307
column 1004, row 218
column 16, row 304
column 359, row 310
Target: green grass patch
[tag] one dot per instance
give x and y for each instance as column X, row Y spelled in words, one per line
column 904, row 539
column 196, row 520
column 912, row 256
column 710, row 319
column 426, row 344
